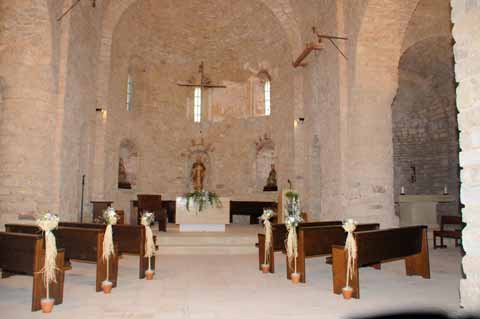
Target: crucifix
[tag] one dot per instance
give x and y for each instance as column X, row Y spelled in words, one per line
column 205, row 82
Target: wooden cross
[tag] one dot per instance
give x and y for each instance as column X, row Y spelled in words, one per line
column 205, row 82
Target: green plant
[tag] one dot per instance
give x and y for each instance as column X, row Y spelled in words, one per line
column 201, row 199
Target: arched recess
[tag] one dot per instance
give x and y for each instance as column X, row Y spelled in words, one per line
column 264, row 159
column 374, row 80
column 424, row 121
column 128, row 164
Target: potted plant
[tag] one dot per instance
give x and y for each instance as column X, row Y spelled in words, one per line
column 291, row 223
column 110, row 218
column 267, row 214
column 146, row 220
column 48, row 222
column 351, row 247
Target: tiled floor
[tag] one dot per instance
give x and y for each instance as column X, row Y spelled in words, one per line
column 232, row 287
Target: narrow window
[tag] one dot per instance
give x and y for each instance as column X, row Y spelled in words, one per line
column 197, row 105
column 129, row 93
column 266, row 89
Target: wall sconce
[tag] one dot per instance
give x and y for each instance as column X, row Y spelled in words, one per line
column 103, row 112
column 300, row 120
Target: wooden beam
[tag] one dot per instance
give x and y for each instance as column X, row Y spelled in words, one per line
column 308, row 49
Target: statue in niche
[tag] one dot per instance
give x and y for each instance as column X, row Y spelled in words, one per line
column 122, row 175
column 271, row 180
column 198, row 174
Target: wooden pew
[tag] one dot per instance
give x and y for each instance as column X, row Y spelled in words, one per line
column 408, row 243
column 25, row 254
column 129, row 238
column 85, row 244
column 317, row 241
column 279, row 234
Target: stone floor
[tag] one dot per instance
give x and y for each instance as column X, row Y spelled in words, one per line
column 220, row 286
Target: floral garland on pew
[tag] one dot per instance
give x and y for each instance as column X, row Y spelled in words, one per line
column 267, row 214
column 351, row 247
column 146, row 220
column 110, row 218
column 47, row 223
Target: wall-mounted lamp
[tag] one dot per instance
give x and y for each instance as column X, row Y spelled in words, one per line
column 298, row 121
column 103, row 112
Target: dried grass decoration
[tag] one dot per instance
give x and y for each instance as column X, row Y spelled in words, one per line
column 351, row 247
column 267, row 214
column 146, row 220
column 48, row 222
column 291, row 223
column 110, row 218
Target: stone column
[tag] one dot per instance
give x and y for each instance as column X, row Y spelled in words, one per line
column 27, row 128
column 466, row 32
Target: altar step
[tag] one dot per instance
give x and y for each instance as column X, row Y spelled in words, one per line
column 237, row 240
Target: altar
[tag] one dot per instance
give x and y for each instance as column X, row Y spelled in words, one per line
column 210, row 219
column 421, row 209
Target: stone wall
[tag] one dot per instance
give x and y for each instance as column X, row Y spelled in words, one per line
column 466, row 32
column 232, row 54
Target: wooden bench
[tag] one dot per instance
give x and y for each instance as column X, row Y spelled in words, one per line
column 129, row 238
column 84, row 244
column 317, row 241
column 25, row 254
column 377, row 246
column 279, row 234
column 448, row 233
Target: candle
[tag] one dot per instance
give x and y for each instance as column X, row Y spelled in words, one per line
column 402, row 191
column 445, row 189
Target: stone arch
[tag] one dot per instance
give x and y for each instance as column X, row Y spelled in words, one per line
column 264, row 158
column 376, row 53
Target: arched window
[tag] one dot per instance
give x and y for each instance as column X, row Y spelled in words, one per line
column 261, row 85
column 129, row 93
column 266, row 91
column 197, row 105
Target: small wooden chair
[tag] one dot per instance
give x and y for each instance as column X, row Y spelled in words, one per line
column 448, row 233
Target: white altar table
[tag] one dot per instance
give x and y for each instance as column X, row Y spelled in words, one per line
column 209, row 219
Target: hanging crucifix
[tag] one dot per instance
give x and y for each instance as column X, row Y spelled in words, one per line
column 205, row 82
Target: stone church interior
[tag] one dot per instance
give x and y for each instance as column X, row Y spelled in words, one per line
column 199, row 158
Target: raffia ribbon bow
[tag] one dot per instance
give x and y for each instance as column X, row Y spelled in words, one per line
column 47, row 223
column 351, row 247
column 146, row 220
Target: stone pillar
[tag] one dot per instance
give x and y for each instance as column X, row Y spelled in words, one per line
column 466, row 32
column 27, row 128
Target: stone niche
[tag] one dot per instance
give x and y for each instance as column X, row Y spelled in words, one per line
column 127, row 165
column 264, row 158
column 199, row 149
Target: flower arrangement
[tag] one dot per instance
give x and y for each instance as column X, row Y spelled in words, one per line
column 349, row 226
column 201, row 199
column 293, row 203
column 146, row 220
column 110, row 217
column 48, row 222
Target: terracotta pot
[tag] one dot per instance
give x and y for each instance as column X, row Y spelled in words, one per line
column 347, row 292
column 265, row 268
column 107, row 286
column 295, row 277
column 47, row 305
column 149, row 274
